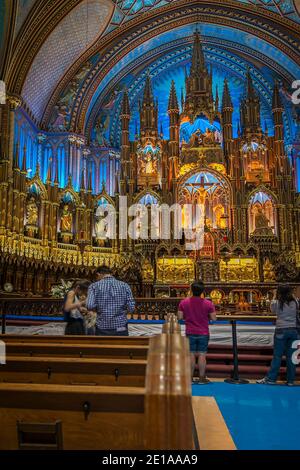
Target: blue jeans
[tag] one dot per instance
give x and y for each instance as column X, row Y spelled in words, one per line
column 283, row 340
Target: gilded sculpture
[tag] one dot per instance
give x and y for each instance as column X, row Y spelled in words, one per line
column 66, row 219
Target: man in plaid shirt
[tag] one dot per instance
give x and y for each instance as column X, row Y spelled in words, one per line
column 112, row 300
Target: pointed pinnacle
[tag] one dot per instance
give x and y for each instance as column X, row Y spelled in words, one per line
column 24, row 163
column 226, row 99
column 148, row 94
column 198, row 62
column 90, row 187
column 17, row 157
column 56, row 172
column 82, row 182
column 125, row 104
column 276, row 103
column 173, row 101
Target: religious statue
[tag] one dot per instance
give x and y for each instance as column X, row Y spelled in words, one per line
column 101, row 227
column 268, row 269
column 32, row 212
column 66, row 219
column 262, row 224
column 261, row 220
column 220, row 217
column 149, row 164
column 147, row 271
column 202, row 195
column 208, row 137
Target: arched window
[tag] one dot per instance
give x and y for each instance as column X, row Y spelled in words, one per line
column 148, row 200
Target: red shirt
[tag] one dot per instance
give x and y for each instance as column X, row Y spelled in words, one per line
column 196, row 315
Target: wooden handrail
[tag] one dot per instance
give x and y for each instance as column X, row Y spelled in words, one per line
column 148, row 308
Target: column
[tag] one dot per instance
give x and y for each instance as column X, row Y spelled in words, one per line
column 40, row 139
column 77, row 162
column 14, row 102
column 71, row 156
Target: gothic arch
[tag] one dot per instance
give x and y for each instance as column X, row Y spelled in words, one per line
column 263, row 189
column 37, row 180
column 104, row 195
column 144, row 193
column 69, row 189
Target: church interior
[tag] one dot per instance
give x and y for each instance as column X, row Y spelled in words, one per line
column 164, row 103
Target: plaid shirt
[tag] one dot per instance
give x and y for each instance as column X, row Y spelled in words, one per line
column 111, row 299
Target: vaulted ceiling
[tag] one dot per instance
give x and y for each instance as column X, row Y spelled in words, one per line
column 81, row 53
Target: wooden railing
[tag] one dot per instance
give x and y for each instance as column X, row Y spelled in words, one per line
column 146, row 308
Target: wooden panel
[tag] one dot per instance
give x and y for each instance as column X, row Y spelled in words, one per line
column 108, row 340
column 122, row 372
column 80, row 350
column 212, row 431
column 115, row 420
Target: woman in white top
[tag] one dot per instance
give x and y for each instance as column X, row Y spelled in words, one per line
column 285, row 307
column 74, row 308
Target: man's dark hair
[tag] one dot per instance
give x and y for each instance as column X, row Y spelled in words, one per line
column 103, row 270
column 197, row 288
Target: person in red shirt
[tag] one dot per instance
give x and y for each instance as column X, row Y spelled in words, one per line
column 197, row 312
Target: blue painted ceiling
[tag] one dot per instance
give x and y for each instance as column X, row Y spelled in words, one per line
column 127, row 9
column 228, row 51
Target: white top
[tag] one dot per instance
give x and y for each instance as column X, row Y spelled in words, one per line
column 287, row 316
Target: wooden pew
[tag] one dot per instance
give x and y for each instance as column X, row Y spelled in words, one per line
column 55, row 412
column 43, row 348
column 62, row 370
column 110, row 340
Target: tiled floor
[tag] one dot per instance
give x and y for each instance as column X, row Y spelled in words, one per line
column 259, row 417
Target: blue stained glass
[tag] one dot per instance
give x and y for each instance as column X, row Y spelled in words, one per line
column 148, row 200
column 260, row 197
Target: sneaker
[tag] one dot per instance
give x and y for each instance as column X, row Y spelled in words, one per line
column 290, row 384
column 266, row 381
column 204, row 381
